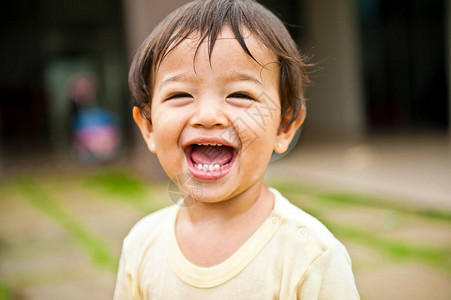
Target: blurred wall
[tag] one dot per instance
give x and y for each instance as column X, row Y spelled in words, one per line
column 331, row 39
column 448, row 36
column 141, row 16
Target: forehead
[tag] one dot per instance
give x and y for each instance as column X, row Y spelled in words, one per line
column 226, row 54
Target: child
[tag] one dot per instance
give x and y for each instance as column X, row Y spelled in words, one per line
column 218, row 86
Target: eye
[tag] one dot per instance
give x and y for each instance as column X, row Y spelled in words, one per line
column 241, row 99
column 179, row 96
column 241, row 95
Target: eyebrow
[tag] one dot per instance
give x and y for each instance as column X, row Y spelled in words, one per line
column 239, row 76
column 177, row 78
column 227, row 77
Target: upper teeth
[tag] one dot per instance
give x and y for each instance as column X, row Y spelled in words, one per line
column 210, row 145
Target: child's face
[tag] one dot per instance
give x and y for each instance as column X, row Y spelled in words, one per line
column 232, row 101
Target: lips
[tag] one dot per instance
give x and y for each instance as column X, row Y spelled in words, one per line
column 210, row 160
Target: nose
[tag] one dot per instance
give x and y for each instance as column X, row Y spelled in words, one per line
column 209, row 113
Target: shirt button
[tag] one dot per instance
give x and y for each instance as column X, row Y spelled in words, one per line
column 302, row 232
column 275, row 221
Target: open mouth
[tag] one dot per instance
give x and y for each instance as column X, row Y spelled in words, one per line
column 210, row 161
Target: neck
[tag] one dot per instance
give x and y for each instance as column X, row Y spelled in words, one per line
column 256, row 199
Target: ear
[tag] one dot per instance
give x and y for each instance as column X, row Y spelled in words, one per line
column 145, row 127
column 285, row 135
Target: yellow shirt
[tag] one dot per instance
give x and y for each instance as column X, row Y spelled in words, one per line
column 291, row 256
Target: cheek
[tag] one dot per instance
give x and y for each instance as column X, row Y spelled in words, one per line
column 258, row 140
column 261, row 140
column 258, row 124
column 166, row 128
column 167, row 148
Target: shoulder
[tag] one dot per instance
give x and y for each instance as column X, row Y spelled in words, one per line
column 321, row 265
column 149, row 228
column 306, row 227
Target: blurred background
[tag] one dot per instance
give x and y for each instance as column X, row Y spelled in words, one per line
column 373, row 161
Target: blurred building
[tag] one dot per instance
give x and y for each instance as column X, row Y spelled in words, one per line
column 381, row 65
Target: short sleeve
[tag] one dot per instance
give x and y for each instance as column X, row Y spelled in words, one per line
column 126, row 285
column 329, row 277
column 122, row 290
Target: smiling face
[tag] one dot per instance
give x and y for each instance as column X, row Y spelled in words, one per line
column 217, row 120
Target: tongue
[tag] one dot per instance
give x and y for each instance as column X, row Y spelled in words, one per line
column 211, row 155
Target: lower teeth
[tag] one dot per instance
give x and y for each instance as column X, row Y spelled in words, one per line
column 210, row 168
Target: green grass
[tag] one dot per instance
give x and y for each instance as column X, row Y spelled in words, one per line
column 396, row 249
column 5, row 293
column 344, row 198
column 93, row 245
column 120, row 185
